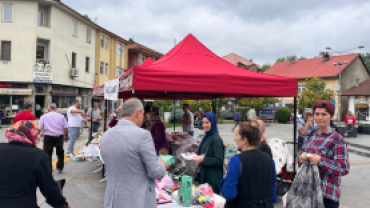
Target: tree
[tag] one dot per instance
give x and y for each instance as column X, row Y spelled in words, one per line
column 287, row 58
column 258, row 103
column 366, row 59
column 315, row 90
column 265, row 67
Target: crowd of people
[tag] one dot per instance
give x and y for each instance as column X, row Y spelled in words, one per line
column 137, row 137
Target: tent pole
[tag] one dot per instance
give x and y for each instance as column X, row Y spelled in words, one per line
column 174, row 114
column 105, row 115
column 91, row 122
column 133, row 93
column 295, row 134
column 214, row 106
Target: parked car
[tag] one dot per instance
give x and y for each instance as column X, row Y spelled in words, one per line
column 228, row 115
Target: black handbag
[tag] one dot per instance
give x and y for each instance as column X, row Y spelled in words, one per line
column 199, row 168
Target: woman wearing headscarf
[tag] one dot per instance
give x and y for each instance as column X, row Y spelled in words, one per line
column 25, row 169
column 211, row 154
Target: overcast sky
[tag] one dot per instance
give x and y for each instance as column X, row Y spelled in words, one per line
column 262, row 30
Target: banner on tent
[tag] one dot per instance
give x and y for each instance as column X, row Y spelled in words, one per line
column 111, row 89
column 125, row 84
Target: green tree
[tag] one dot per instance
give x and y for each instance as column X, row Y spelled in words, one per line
column 258, row 103
column 265, row 67
column 287, row 58
column 366, row 59
column 315, row 90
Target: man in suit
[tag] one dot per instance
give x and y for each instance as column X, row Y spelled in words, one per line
column 131, row 161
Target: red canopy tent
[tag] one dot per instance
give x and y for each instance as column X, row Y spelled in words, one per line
column 192, row 71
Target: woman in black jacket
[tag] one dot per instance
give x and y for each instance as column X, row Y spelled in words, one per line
column 24, row 168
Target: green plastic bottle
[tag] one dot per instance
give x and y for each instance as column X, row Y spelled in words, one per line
column 185, row 187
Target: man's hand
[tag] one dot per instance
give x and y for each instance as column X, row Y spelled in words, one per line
column 165, row 164
column 181, row 119
column 309, row 120
column 195, row 145
column 94, row 120
column 314, row 158
column 66, row 138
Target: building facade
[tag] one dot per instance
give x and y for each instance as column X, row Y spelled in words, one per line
column 47, row 54
column 111, row 56
column 352, row 72
column 242, row 62
column 359, row 100
column 137, row 54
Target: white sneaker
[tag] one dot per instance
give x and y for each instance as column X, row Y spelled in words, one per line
column 70, row 154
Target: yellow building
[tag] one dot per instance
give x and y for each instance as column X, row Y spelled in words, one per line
column 111, row 56
column 352, row 71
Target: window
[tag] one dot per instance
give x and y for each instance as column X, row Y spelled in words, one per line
column 102, row 41
column 300, row 88
column 106, row 69
column 7, row 12
column 106, row 42
column 119, row 71
column 5, row 50
column 119, row 46
column 41, row 18
column 143, row 58
column 74, row 57
column 40, row 53
column 74, row 28
column 101, row 67
column 87, row 64
column 88, row 35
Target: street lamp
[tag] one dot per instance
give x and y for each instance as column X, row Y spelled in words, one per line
column 340, row 63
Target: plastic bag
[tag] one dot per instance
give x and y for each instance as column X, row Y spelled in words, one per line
column 166, row 182
column 204, row 195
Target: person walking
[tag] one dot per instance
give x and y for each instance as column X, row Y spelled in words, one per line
column 74, row 125
column 54, row 127
column 131, row 160
column 25, row 115
column 237, row 119
column 250, row 178
column 327, row 149
column 93, row 114
column 251, row 115
column 210, row 154
column 4, row 117
column 350, row 122
column 187, row 120
column 24, row 168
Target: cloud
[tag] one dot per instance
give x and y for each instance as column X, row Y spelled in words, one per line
column 259, row 29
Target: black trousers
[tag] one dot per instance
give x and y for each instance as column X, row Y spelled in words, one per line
column 54, row 141
column 330, row 203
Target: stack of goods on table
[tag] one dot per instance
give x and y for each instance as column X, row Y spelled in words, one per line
column 179, row 191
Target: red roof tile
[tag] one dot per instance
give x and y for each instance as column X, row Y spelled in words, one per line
column 138, row 46
column 312, row 67
column 235, row 59
column 363, row 89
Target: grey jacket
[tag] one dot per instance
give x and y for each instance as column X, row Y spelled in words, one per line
column 132, row 165
column 306, row 189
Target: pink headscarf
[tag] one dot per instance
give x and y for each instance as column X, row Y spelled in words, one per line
column 22, row 131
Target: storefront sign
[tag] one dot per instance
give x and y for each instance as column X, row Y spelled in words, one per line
column 6, row 91
column 111, row 89
column 5, row 85
column 42, row 73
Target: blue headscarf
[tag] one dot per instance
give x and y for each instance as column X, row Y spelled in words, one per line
column 213, row 119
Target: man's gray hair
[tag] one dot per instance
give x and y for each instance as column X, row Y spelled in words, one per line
column 53, row 106
column 130, row 106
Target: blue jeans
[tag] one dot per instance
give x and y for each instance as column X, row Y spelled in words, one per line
column 93, row 129
column 73, row 133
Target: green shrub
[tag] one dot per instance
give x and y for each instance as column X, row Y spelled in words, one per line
column 282, row 115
